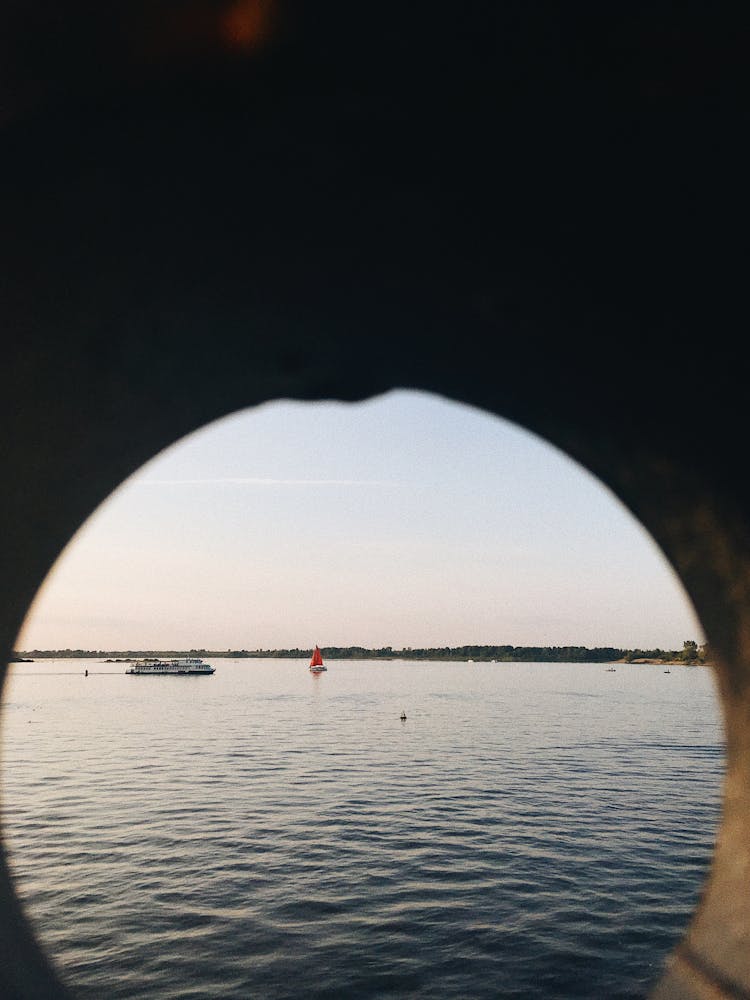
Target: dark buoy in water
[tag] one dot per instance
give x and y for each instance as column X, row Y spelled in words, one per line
column 403, row 716
column 85, row 673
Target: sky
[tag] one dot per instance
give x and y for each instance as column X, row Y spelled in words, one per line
column 406, row 520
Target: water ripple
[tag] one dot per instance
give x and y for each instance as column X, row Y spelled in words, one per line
column 530, row 831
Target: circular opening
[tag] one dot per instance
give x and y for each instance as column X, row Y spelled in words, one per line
column 541, row 827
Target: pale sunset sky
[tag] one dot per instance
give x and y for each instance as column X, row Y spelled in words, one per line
column 406, row 520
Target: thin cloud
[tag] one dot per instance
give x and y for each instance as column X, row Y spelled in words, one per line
column 262, row 481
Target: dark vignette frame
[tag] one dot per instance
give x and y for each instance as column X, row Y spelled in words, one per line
column 540, row 213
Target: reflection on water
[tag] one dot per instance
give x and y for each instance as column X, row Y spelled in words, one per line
column 536, row 830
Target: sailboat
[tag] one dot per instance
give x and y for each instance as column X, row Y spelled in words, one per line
column 316, row 663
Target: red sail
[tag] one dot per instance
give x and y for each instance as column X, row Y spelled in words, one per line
column 317, row 658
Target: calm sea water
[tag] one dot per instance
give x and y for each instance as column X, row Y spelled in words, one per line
column 531, row 830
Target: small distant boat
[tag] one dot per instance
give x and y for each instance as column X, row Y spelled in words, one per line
column 154, row 667
column 316, row 663
column 667, row 671
column 611, row 670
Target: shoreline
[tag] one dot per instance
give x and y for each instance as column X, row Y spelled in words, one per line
column 665, row 663
column 404, row 656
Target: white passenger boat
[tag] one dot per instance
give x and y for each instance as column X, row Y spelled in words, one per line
column 154, row 667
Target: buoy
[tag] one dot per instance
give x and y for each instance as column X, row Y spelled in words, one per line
column 86, row 673
column 403, row 716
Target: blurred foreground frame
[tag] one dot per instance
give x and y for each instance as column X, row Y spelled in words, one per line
column 536, row 209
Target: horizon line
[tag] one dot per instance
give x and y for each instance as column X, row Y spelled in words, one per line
column 402, row 649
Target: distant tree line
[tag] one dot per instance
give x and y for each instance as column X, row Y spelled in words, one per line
column 691, row 653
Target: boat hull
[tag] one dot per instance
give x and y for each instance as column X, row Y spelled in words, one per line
column 170, row 673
